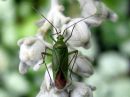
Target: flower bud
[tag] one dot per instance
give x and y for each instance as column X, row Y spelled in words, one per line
column 97, row 11
column 82, row 66
column 30, row 53
column 80, row 35
column 81, row 90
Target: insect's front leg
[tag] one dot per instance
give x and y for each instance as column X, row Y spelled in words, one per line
column 75, row 52
column 43, row 56
column 39, row 63
column 45, row 53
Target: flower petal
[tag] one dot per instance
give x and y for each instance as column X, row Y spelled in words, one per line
column 88, row 7
column 23, row 68
column 80, row 35
column 82, row 66
column 30, row 51
column 81, row 90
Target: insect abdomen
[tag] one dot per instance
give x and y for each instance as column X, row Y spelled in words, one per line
column 60, row 81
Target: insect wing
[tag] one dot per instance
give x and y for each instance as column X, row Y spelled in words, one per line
column 60, row 61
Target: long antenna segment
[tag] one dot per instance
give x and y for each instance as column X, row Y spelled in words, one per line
column 46, row 19
column 78, row 22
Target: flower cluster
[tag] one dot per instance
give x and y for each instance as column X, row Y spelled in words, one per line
column 32, row 47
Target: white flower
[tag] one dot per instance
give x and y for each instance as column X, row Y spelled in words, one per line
column 23, row 68
column 98, row 12
column 82, row 90
column 52, row 93
column 30, row 53
column 80, row 35
column 87, row 7
column 56, row 17
column 105, row 12
column 82, row 66
column 92, row 51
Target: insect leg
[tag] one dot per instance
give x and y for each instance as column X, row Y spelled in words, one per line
column 45, row 53
column 72, row 52
column 73, row 58
column 46, row 20
column 70, row 34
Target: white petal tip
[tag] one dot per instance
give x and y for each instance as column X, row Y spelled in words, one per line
column 87, row 74
column 114, row 17
column 36, row 67
column 22, row 68
column 23, row 72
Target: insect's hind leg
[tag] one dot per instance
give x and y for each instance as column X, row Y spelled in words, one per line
column 73, row 58
column 45, row 53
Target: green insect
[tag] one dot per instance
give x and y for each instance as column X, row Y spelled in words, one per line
column 60, row 61
column 60, row 57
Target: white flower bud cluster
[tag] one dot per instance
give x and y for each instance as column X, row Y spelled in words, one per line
column 32, row 47
column 30, row 53
column 81, row 33
column 90, row 7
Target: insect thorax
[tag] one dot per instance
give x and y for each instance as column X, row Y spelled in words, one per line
column 60, row 44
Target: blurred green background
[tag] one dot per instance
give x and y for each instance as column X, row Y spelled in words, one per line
column 111, row 48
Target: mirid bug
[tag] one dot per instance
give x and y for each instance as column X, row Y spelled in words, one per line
column 60, row 56
column 60, row 63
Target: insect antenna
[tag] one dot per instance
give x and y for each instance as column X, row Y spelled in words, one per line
column 46, row 19
column 80, row 21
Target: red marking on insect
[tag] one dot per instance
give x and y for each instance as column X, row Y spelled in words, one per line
column 60, row 80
